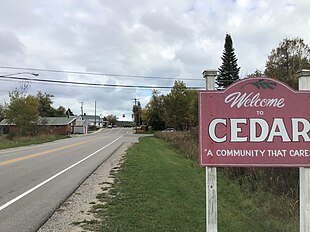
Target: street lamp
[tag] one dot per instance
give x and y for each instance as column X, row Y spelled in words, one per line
column 24, row 85
column 13, row 74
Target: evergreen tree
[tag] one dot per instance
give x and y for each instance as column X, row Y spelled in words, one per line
column 228, row 72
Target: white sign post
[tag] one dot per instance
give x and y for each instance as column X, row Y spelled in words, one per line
column 304, row 173
column 294, row 115
column 211, row 176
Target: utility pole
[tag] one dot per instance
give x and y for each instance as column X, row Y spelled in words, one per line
column 135, row 99
column 95, row 111
column 82, row 109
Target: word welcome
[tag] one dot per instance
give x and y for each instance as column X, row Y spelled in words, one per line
column 250, row 100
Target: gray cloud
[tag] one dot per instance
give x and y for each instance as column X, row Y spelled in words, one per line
column 151, row 38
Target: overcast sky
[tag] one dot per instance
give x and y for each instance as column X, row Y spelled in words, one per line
column 174, row 40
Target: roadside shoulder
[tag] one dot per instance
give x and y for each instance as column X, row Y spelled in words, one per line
column 76, row 208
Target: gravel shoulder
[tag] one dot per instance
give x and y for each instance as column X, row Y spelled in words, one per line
column 76, row 208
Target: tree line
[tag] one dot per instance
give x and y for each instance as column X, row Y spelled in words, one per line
column 179, row 108
column 24, row 110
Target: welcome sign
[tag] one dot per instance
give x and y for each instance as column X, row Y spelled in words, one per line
column 255, row 122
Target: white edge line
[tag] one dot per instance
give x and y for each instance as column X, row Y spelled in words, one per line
column 53, row 177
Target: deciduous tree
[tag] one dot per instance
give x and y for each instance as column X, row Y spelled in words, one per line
column 153, row 113
column 112, row 119
column 45, row 104
column 60, row 111
column 136, row 109
column 1, row 112
column 177, row 107
column 22, row 111
column 257, row 73
column 289, row 57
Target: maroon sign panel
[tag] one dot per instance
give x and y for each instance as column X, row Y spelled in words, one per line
column 255, row 122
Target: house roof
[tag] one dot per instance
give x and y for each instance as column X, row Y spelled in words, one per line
column 91, row 117
column 48, row 121
column 4, row 122
column 56, row 121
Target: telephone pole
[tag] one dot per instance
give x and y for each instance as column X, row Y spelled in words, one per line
column 82, row 108
column 134, row 113
column 95, row 111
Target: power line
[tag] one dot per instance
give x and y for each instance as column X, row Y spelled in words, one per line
column 99, row 74
column 13, row 78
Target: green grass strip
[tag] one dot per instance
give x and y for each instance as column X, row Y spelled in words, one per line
column 26, row 141
column 158, row 189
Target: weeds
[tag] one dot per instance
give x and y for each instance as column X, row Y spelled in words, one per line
column 282, row 182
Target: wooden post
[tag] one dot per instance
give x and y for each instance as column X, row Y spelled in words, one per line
column 211, row 176
column 304, row 173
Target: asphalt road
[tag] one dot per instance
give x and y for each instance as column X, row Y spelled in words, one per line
column 35, row 180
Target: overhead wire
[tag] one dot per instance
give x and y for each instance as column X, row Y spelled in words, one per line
column 100, row 74
column 14, row 78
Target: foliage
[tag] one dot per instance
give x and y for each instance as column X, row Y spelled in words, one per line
column 185, row 141
column 69, row 112
column 1, row 112
column 137, row 110
column 111, row 119
column 281, row 182
column 60, row 111
column 193, row 108
column 180, row 108
column 289, row 57
column 45, row 106
column 257, row 73
column 22, row 111
column 228, row 72
column 153, row 113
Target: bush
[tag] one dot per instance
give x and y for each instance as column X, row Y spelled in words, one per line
column 11, row 135
column 185, row 141
column 280, row 181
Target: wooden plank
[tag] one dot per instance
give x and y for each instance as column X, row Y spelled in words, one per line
column 211, row 199
column 304, row 173
column 211, row 175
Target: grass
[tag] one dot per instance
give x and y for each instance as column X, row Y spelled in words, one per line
column 158, row 189
column 29, row 140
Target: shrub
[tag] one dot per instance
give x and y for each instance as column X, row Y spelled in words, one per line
column 185, row 141
column 280, row 181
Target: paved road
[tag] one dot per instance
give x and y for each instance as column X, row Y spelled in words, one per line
column 35, row 180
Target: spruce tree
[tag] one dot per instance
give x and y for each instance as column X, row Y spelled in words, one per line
column 228, row 72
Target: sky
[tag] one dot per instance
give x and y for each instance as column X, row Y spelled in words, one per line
column 139, row 42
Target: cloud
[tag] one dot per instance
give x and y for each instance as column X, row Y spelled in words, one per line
column 174, row 39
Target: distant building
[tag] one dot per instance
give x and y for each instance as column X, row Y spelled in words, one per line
column 53, row 125
column 58, row 125
column 93, row 120
column 124, row 122
column 81, row 126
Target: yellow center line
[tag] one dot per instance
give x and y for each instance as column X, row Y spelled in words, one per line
column 43, row 153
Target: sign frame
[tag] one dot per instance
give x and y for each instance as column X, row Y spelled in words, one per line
column 252, row 92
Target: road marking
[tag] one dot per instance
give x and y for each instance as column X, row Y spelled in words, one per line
column 56, row 175
column 42, row 153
